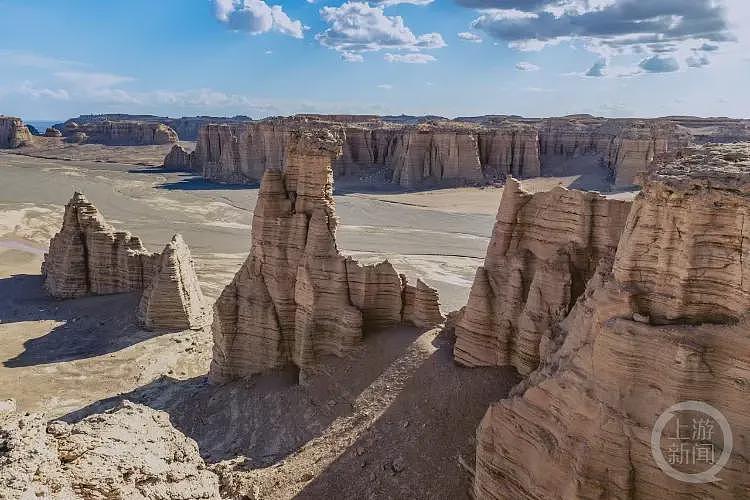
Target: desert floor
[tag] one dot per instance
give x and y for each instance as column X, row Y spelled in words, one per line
column 362, row 425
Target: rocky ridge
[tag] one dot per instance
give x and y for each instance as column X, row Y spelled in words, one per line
column 662, row 322
column 421, row 153
column 13, row 133
column 131, row 451
column 119, row 133
column 544, row 248
column 296, row 298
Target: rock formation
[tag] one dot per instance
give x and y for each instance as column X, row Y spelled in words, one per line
column 296, row 298
column 120, row 133
column 669, row 324
column 173, row 299
column 421, row 305
column 13, row 133
column 52, row 132
column 88, row 256
column 131, row 451
column 544, row 248
column 177, row 159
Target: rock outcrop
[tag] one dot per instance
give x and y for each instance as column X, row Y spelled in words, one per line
column 668, row 325
column 88, row 256
column 296, row 298
column 544, row 248
column 13, row 133
column 177, row 159
column 173, row 299
column 120, row 133
column 421, row 305
column 52, row 132
column 131, row 451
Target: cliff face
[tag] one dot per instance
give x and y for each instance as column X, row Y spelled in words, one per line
column 445, row 152
column 177, row 159
column 296, row 298
column 13, row 133
column 88, row 256
column 120, row 133
column 581, row 425
column 544, row 248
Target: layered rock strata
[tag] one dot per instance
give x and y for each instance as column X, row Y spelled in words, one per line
column 421, row 305
column 131, row 451
column 544, row 248
column 120, row 133
column 173, row 299
column 177, row 159
column 446, row 152
column 88, row 256
column 296, row 298
column 13, row 133
column 52, row 132
column 668, row 325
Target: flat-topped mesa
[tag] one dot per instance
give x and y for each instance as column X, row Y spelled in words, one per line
column 544, row 248
column 120, row 133
column 173, row 299
column 88, row 256
column 13, row 133
column 581, row 425
column 297, row 298
column 686, row 247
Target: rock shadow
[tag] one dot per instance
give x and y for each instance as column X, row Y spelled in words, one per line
column 265, row 418
column 197, row 183
column 90, row 326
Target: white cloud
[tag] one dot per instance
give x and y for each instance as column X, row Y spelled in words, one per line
column 256, row 17
column 470, row 37
column 356, row 27
column 414, row 58
column 388, row 3
column 385, row 86
column 526, row 66
column 90, row 80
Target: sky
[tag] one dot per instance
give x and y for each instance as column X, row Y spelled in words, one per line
column 616, row 58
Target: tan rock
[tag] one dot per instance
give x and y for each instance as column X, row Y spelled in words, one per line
column 173, row 299
column 13, row 133
column 88, row 256
column 178, row 159
column 130, row 451
column 421, row 305
column 120, row 133
column 297, row 298
column 543, row 250
column 580, row 426
column 52, row 132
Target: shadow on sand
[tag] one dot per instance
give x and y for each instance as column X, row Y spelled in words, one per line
column 90, row 326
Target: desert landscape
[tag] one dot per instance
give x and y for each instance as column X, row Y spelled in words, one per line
column 246, row 276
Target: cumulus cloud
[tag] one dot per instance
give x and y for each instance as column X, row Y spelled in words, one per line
column 256, row 17
column 388, row 3
column 697, row 61
column 414, row 58
column 356, row 27
column 659, row 64
column 470, row 37
column 598, row 69
column 610, row 24
column 526, row 66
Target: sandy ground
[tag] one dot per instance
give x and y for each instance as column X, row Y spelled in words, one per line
column 57, row 148
column 361, row 428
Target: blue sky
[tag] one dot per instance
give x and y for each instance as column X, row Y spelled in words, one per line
column 448, row 57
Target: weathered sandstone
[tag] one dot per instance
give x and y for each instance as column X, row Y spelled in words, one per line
column 120, row 133
column 421, row 305
column 131, row 451
column 88, row 256
column 52, row 132
column 13, row 133
column 296, row 298
column 173, row 299
column 544, row 248
column 177, row 159
column 670, row 324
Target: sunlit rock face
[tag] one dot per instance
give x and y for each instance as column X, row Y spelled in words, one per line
column 120, row 133
column 297, row 298
column 544, row 248
column 13, row 133
column 663, row 322
column 88, row 256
